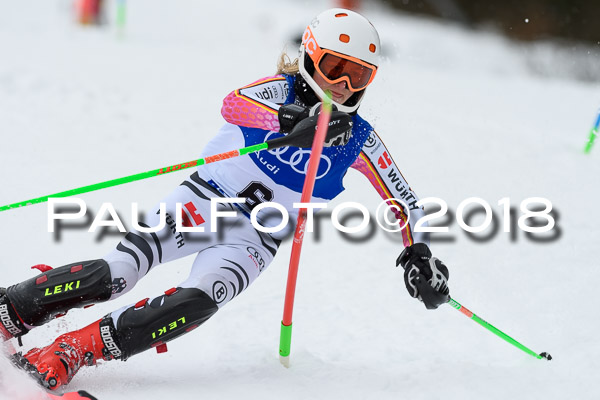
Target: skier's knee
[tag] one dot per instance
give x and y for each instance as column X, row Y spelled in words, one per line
column 221, row 288
column 124, row 277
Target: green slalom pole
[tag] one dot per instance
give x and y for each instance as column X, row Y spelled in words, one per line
column 143, row 175
column 592, row 136
column 497, row 331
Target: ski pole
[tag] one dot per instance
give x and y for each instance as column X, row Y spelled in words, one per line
column 497, row 331
column 285, row 338
column 301, row 138
column 593, row 134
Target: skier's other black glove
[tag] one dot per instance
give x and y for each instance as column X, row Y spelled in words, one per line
column 425, row 277
column 340, row 129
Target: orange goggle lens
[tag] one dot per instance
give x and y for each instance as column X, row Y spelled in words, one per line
column 335, row 68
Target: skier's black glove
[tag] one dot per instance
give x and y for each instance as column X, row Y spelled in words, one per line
column 302, row 123
column 340, row 129
column 425, row 277
column 289, row 115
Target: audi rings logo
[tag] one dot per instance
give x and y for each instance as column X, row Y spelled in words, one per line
column 298, row 160
column 257, row 258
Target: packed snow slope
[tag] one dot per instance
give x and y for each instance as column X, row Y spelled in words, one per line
column 461, row 113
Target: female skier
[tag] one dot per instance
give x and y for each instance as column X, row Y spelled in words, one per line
column 339, row 53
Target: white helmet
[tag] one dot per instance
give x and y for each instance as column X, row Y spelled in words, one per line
column 341, row 45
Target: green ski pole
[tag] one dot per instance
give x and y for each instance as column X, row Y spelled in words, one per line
column 298, row 138
column 497, row 331
column 140, row 176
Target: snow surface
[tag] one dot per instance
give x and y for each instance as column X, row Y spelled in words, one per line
column 463, row 115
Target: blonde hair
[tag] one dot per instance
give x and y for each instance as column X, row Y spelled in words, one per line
column 286, row 66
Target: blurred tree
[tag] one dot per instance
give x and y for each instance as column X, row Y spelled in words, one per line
column 348, row 4
column 525, row 20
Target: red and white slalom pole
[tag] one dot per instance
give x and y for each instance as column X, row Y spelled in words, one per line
column 285, row 338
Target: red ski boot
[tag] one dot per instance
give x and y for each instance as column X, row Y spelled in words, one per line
column 55, row 365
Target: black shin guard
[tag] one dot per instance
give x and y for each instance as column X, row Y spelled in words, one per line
column 9, row 319
column 39, row 299
column 151, row 324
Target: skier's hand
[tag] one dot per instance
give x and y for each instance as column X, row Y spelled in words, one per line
column 339, row 130
column 289, row 115
column 425, row 277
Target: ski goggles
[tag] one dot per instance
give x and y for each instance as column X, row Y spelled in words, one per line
column 336, row 67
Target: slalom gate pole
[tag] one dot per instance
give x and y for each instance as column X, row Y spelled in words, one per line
column 497, row 331
column 285, row 338
column 143, row 175
column 593, row 134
